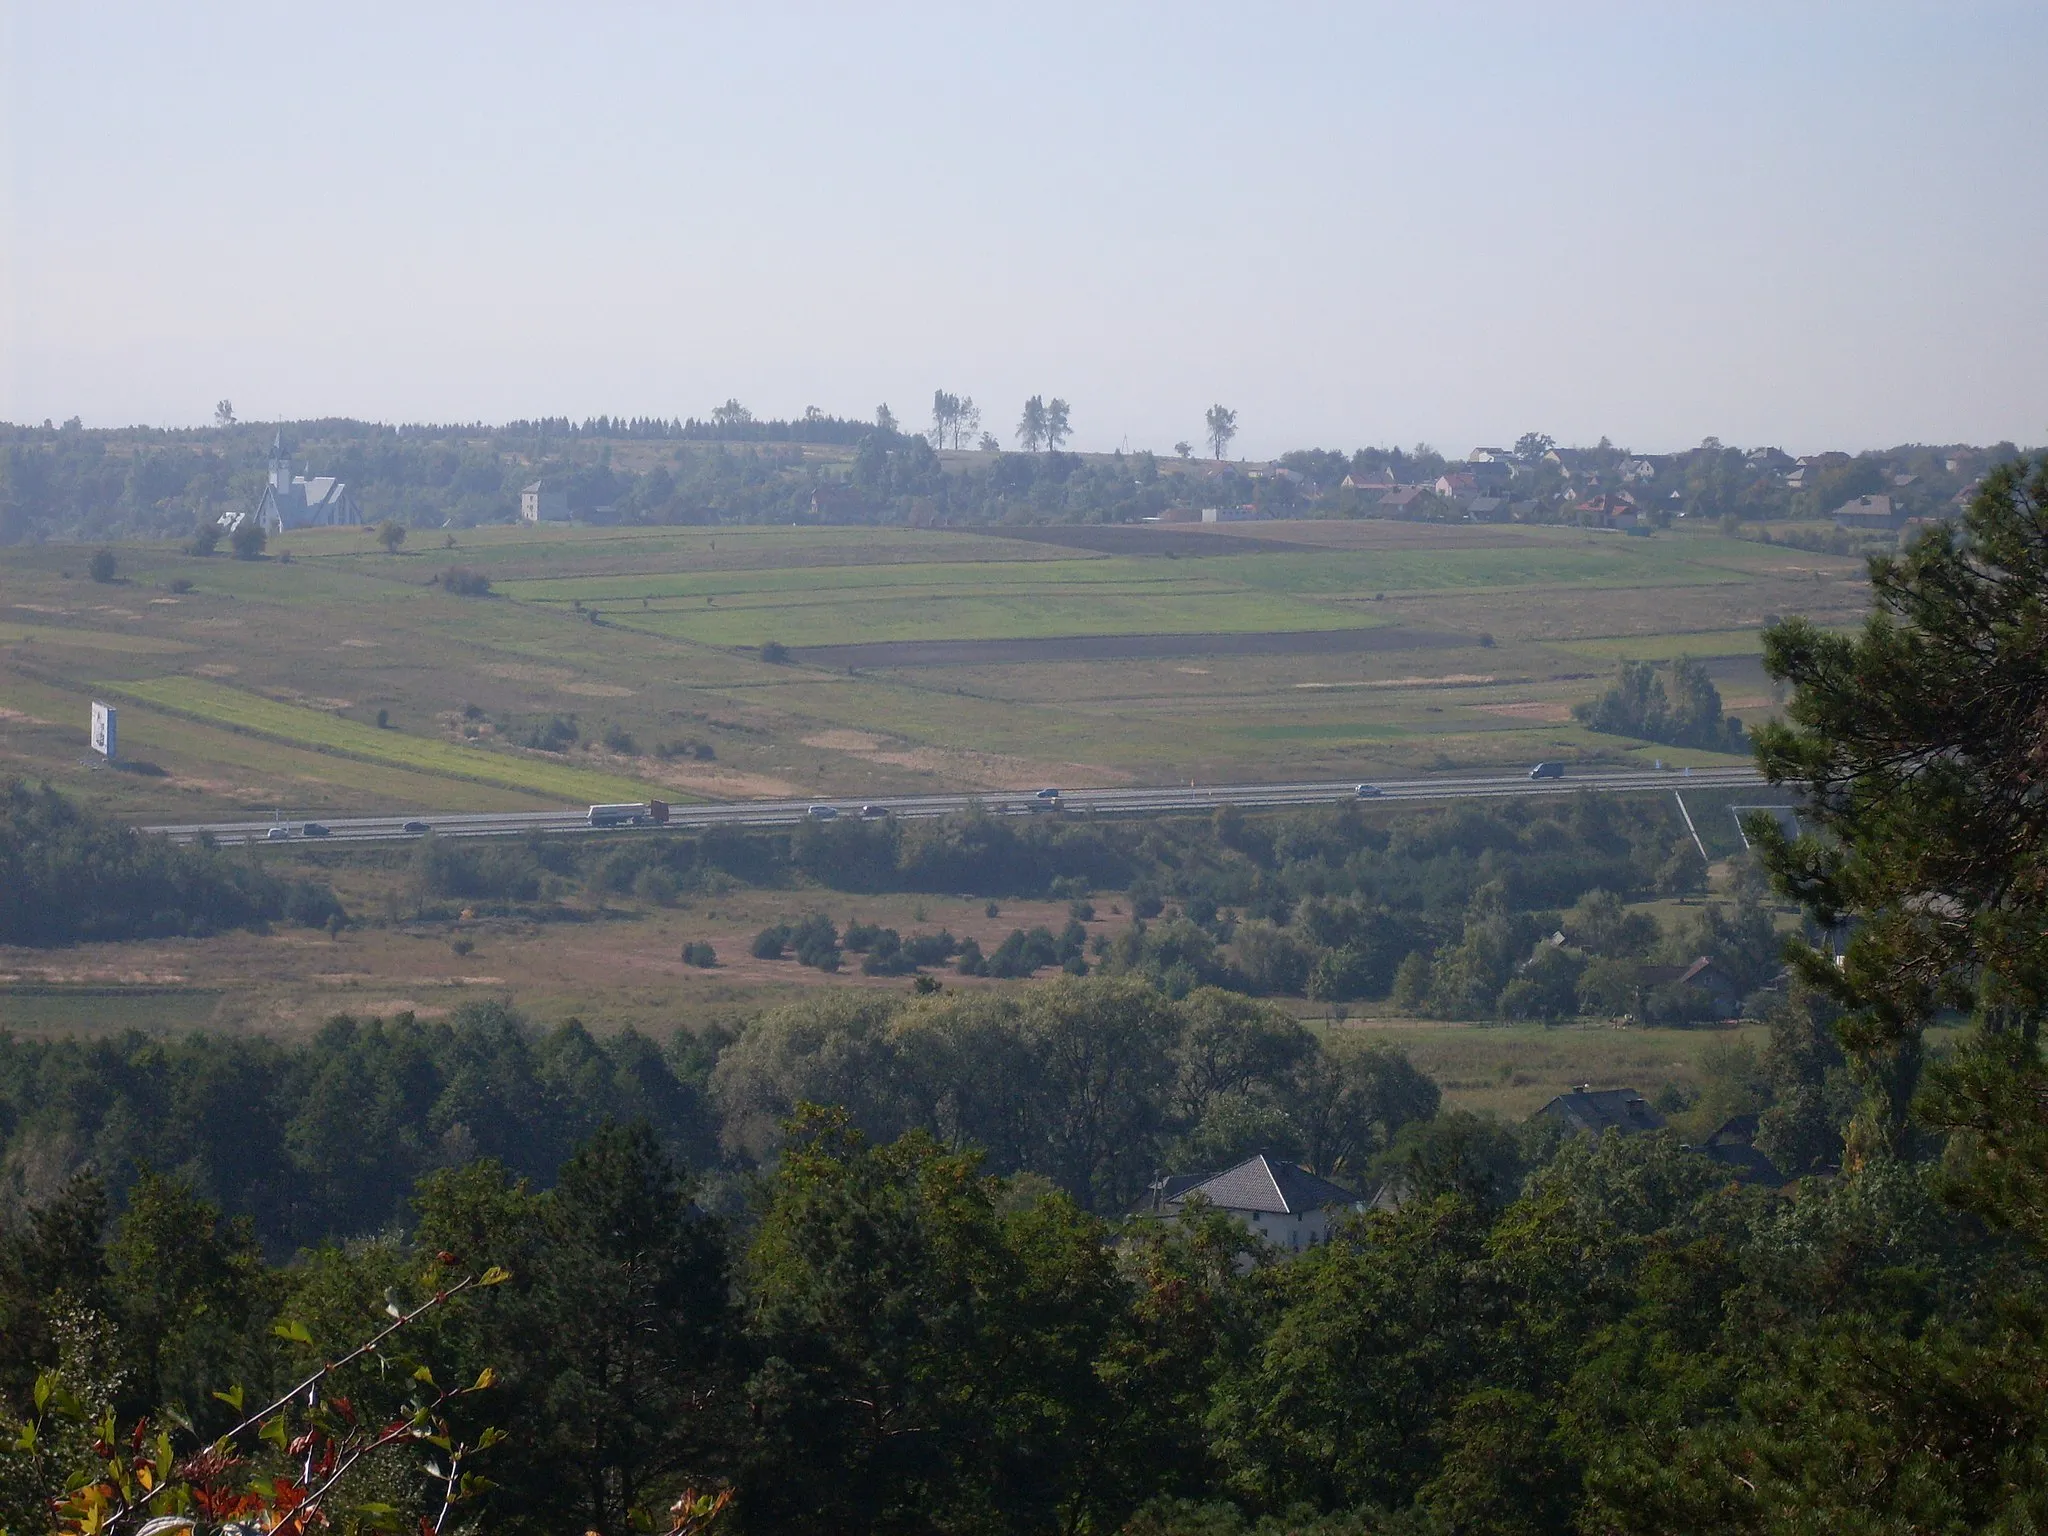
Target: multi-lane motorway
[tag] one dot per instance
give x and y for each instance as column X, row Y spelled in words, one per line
column 1119, row 801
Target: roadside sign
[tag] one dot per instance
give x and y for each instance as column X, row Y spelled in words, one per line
column 103, row 728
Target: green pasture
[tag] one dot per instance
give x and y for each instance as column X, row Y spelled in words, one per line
column 263, row 771
column 1606, row 562
column 891, row 582
column 97, row 1011
column 1513, row 1070
column 315, row 728
column 514, row 552
column 33, row 635
column 1725, row 642
column 910, row 614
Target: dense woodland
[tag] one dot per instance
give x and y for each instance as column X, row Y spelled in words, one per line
column 68, row 482
column 69, row 875
column 922, row 1308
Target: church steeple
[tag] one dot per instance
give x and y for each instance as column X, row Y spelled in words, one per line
column 280, row 466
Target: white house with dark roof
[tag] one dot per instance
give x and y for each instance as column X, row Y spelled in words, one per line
column 1285, row 1204
column 297, row 501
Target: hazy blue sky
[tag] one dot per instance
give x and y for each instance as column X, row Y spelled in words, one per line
column 1808, row 225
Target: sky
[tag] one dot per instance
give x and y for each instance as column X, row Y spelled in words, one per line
column 1816, row 226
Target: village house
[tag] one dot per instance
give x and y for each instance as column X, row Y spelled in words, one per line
column 1733, row 1145
column 1286, row 1205
column 1596, row 1111
column 1874, row 513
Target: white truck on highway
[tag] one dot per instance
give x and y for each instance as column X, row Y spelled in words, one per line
column 637, row 813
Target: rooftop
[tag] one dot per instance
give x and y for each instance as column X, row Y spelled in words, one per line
column 1262, row 1183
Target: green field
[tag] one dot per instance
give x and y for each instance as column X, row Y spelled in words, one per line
column 301, row 726
column 253, row 685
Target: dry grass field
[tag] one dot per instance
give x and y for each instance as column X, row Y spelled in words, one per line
column 618, row 964
column 918, row 658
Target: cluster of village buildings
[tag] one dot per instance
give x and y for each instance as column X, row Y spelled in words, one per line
column 1589, row 487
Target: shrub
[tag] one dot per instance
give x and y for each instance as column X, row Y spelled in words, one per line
column 815, row 942
column 101, row 566
column 181, row 585
column 248, row 539
column 774, row 652
column 555, row 734
column 462, row 946
column 464, row 582
column 620, row 740
column 770, row 942
column 700, row 954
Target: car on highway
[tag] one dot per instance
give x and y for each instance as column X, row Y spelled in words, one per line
column 1047, row 794
column 873, row 812
column 277, row 834
column 1367, row 791
column 1547, row 771
column 823, row 813
column 313, row 829
column 415, row 826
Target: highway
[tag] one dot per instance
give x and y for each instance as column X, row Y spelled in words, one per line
column 1120, row 801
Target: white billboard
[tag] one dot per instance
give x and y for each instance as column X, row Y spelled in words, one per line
column 103, row 728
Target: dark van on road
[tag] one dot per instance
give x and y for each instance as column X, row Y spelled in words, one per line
column 1547, row 771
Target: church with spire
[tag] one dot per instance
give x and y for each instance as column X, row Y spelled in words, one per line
column 297, row 501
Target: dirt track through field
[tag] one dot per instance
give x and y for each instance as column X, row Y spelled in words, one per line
column 983, row 653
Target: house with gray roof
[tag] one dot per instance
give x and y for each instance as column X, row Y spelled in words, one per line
column 1733, row 1145
column 1597, row 1111
column 1873, row 513
column 1281, row 1202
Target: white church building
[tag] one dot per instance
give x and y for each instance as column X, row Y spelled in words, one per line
column 297, row 501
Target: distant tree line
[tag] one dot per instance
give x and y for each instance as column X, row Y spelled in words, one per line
column 731, row 467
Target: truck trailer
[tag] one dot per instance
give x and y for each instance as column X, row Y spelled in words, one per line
column 638, row 813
